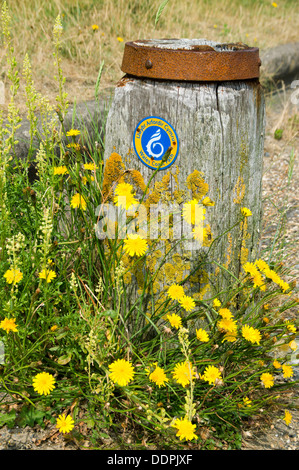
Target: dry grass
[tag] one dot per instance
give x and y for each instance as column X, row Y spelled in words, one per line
column 254, row 22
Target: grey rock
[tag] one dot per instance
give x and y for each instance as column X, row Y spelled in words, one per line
column 89, row 117
column 281, row 63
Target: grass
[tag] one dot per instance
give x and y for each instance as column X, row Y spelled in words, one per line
column 256, row 23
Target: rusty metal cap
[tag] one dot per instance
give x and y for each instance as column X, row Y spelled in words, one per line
column 190, row 60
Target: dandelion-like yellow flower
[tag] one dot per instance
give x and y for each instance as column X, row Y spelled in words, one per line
column 183, row 373
column 251, row 334
column 246, row 212
column 211, row 373
column 287, row 417
column 65, row 423
column 293, row 345
column 230, row 337
column 267, row 380
column 287, row 371
column 202, row 335
column 225, row 313
column 74, row 146
column 290, row 326
column 47, row 274
column 43, row 383
column 73, row 132
column 78, row 201
column 158, row 376
column 175, row 320
column 85, row 179
column 95, row 27
column 272, row 275
column 187, row 303
column 258, row 281
column 135, row 245
column 193, row 212
column 175, row 292
column 216, row 303
column 283, row 285
column 274, row 4
column 251, row 269
column 60, row 170
column 207, row 201
column 13, row 276
column 124, row 196
column 54, row 327
column 276, row 364
column 185, row 429
column 8, row 324
column 121, row 372
column 261, row 264
column 227, row 324
column 247, row 402
column 119, row 39
column 90, row 166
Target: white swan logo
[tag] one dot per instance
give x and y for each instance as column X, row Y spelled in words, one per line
column 152, row 143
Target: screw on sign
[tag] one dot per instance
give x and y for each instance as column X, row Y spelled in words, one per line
column 202, row 100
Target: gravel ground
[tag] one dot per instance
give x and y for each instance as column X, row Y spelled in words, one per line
column 269, row 433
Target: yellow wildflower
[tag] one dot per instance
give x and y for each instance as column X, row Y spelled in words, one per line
column 211, row 374
column 13, row 276
column 207, row 201
column 175, row 291
column 185, row 429
column 175, row 320
column 65, row 423
column 90, row 166
column 246, row 212
column 187, row 303
column 287, row 417
column 293, row 345
column 183, row 373
column 246, row 401
column 251, row 334
column 287, row 371
column 158, row 376
column 43, row 383
column 193, row 212
column 216, row 303
column 227, row 324
column 73, row 132
column 78, row 201
column 121, row 372
column 290, row 326
column 135, row 245
column 60, row 170
column 8, row 324
column 225, row 313
column 202, row 335
column 47, row 274
column 267, row 380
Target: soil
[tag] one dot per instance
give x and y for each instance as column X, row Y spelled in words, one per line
column 270, row 433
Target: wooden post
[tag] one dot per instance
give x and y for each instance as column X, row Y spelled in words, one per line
column 219, row 123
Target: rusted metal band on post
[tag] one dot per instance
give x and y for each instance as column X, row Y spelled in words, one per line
column 201, row 63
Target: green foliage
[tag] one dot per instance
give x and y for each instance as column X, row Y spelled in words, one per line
column 278, row 134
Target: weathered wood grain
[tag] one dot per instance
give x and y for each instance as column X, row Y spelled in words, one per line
column 220, row 127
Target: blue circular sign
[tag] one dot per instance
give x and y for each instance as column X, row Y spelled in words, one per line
column 152, row 138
